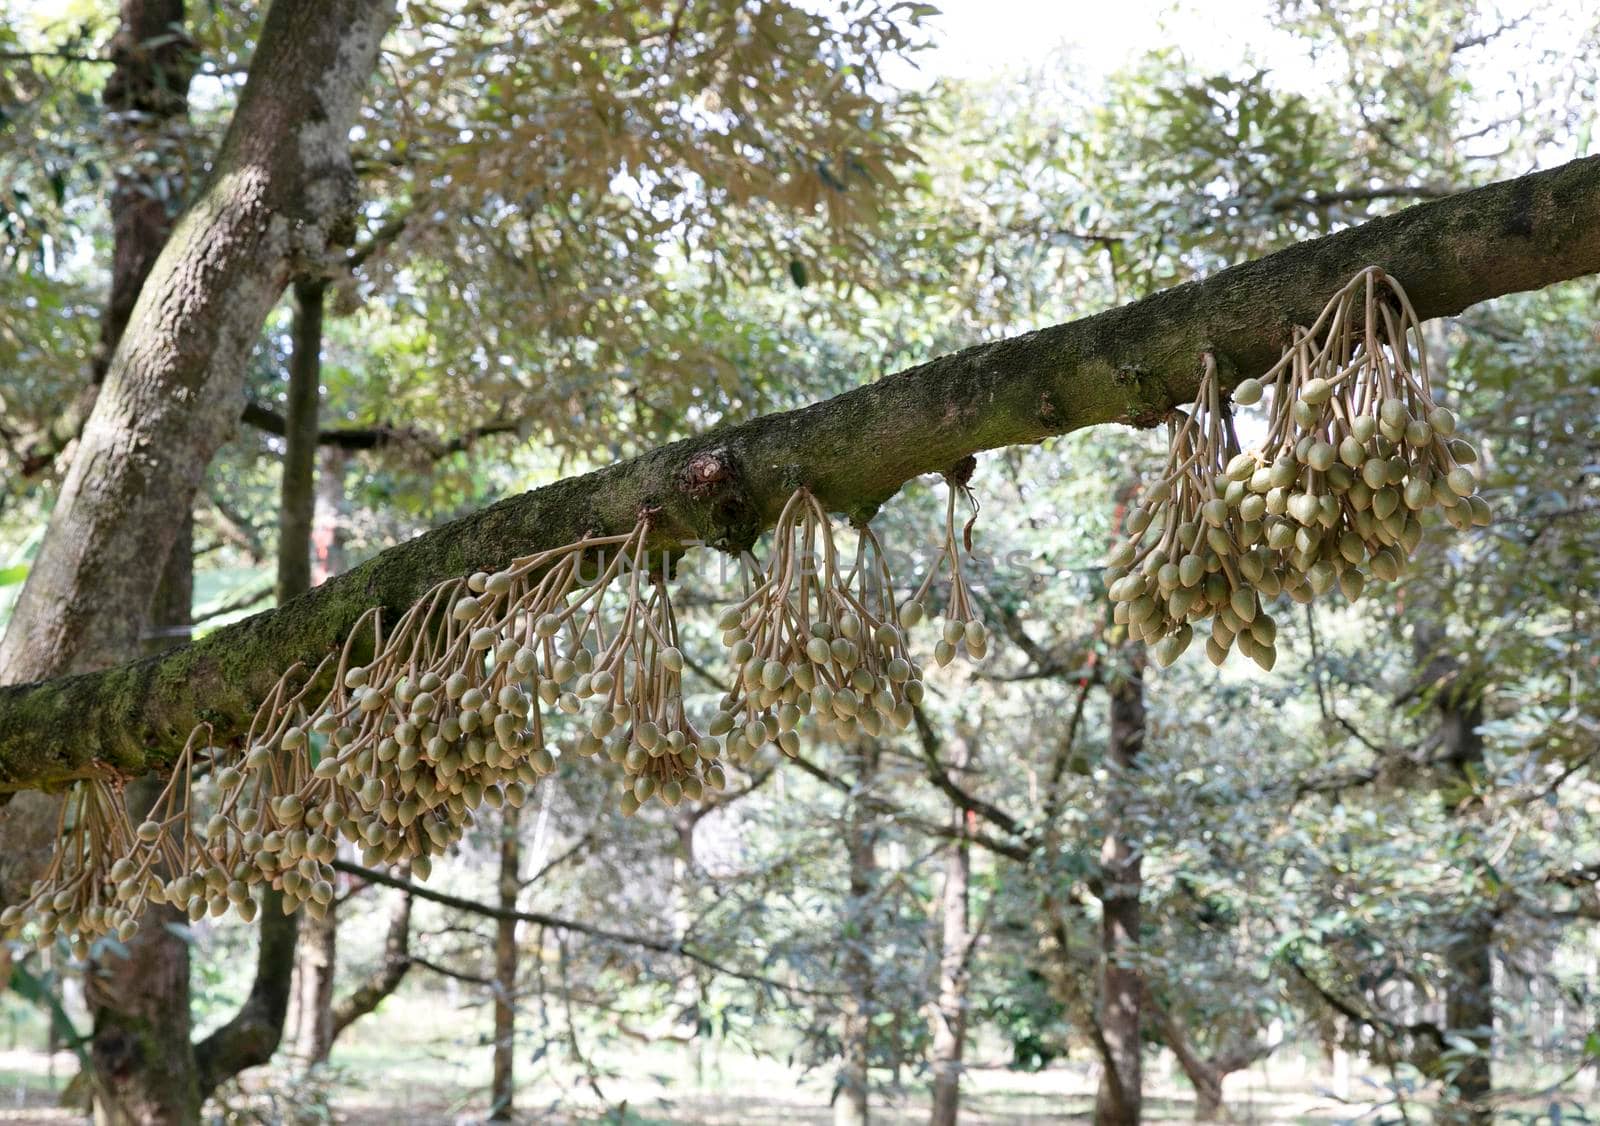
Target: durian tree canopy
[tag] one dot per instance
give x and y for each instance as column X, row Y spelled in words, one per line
column 1131, row 365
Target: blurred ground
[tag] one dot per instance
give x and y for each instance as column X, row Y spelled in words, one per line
column 740, row 1092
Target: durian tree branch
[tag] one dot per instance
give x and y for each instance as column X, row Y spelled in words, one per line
column 1128, row 365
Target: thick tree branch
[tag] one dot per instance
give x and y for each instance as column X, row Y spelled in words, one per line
column 1130, row 365
column 1364, row 195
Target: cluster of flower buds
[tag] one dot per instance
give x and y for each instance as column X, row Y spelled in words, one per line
column 73, row 898
column 393, row 757
column 394, row 753
column 813, row 639
column 637, row 682
column 1356, row 450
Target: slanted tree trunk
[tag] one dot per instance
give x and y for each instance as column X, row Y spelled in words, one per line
column 170, row 392
column 140, row 1053
column 950, row 1015
column 503, row 1089
column 1469, row 953
column 851, row 1104
column 1117, row 1103
column 386, row 978
column 145, row 94
column 1206, row 1074
column 279, row 197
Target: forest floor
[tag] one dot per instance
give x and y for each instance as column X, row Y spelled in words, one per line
column 427, row 1064
column 736, row 1092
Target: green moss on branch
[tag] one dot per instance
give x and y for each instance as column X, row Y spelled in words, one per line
column 1128, row 365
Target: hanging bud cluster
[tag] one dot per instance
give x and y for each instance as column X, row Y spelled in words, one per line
column 1356, row 450
column 815, row 637
column 73, row 898
column 454, row 709
column 394, row 756
column 962, row 628
column 636, row 682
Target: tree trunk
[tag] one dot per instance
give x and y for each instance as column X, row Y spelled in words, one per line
column 327, row 532
column 950, row 1016
column 1205, row 1074
column 1469, row 954
column 140, row 1053
column 145, row 94
column 1117, row 1103
column 851, row 1105
column 310, row 1019
column 689, row 992
column 303, row 559
column 280, row 193
column 144, row 1065
column 298, row 494
column 503, row 1091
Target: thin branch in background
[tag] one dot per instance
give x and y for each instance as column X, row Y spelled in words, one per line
column 249, row 597
column 589, row 1071
column 457, row 975
column 556, row 922
column 1330, row 713
column 382, row 435
column 940, row 777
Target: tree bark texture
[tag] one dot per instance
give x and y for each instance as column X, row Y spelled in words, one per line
column 144, row 1065
column 298, row 494
column 950, row 1011
column 1117, row 1103
column 280, row 196
column 1469, row 951
column 310, row 1019
column 1131, row 364
column 852, row 1099
column 503, row 1089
